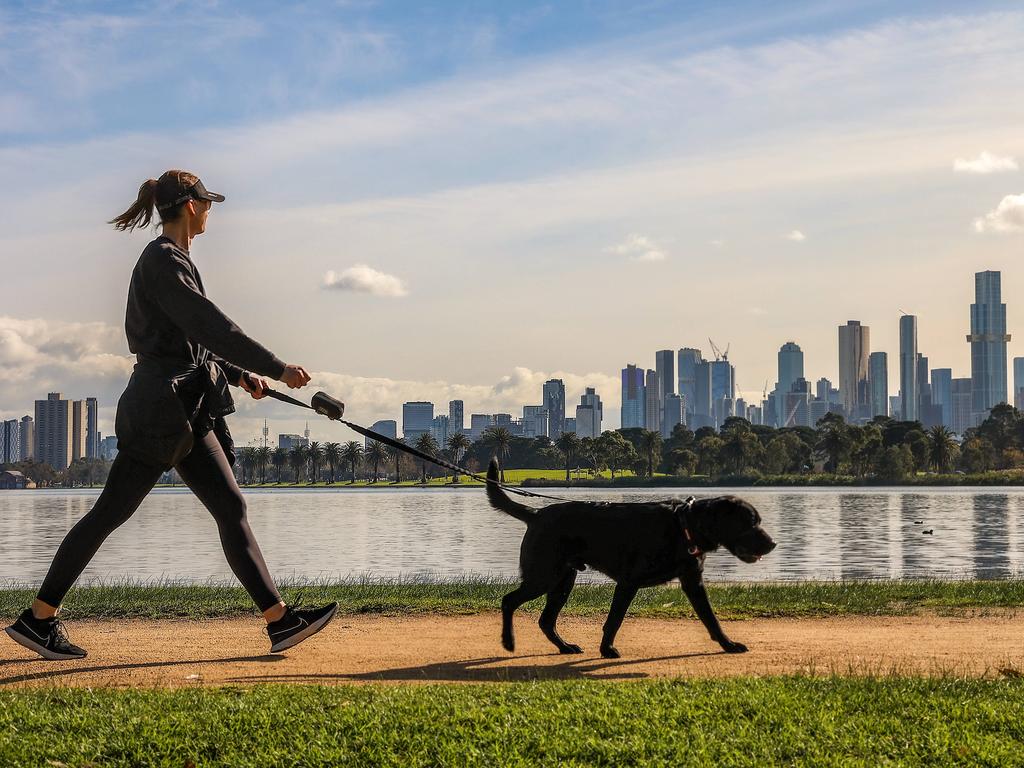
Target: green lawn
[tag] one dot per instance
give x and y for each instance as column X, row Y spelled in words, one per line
column 737, row 722
column 731, row 601
column 512, row 476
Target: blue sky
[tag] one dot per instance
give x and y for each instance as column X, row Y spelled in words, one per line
column 568, row 186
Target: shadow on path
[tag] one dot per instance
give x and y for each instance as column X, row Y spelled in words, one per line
column 65, row 671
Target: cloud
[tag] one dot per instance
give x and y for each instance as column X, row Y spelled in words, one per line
column 364, row 279
column 986, row 162
column 638, row 248
column 1008, row 216
column 796, row 236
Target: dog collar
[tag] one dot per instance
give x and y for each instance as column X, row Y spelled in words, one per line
column 691, row 545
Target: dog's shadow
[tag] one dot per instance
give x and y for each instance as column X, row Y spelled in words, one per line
column 491, row 669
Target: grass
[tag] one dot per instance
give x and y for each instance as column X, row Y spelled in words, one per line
column 736, row 722
column 464, row 596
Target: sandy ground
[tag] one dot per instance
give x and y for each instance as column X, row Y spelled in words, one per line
column 359, row 649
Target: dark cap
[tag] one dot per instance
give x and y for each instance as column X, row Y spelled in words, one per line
column 173, row 191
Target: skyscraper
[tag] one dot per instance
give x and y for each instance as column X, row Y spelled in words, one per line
column 588, row 414
column 702, row 395
column 878, row 379
column 689, row 359
column 456, row 416
column 92, row 429
column 664, row 364
column 1018, row 383
column 439, row 430
column 10, row 441
column 652, row 402
column 417, row 419
column 791, row 368
column 28, row 438
column 54, row 431
column 942, row 394
column 386, row 427
column 854, row 348
column 988, row 339
column 675, row 414
column 908, row 368
column 634, row 398
column 554, row 402
column 961, row 405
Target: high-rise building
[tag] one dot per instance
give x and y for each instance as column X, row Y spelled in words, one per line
column 386, row 427
column 28, row 438
column 961, row 405
column 675, row 414
column 1018, row 383
column 797, row 411
column 478, row 424
column 688, row 359
column 929, row 414
column 942, row 394
column 54, row 436
column 570, row 425
column 588, row 414
column 854, row 348
column 988, row 339
column 554, row 402
column 92, row 428
column 535, row 421
column 439, row 430
column 702, row 411
column 908, row 368
column 456, row 416
column 79, row 429
column 634, row 398
column 292, row 441
column 878, row 379
column 10, row 441
column 417, row 419
column 652, row 402
column 664, row 364
column 108, row 448
column 791, row 368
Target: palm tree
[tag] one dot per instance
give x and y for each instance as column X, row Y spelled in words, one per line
column 397, row 455
column 297, row 458
column 279, row 459
column 332, row 455
column 247, row 461
column 352, row 454
column 651, row 443
column 315, row 455
column 569, row 444
column 376, row 453
column 262, row 459
column 942, row 448
column 427, row 444
column 458, row 444
column 500, row 441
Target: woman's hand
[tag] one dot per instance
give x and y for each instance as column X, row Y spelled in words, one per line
column 253, row 385
column 295, row 376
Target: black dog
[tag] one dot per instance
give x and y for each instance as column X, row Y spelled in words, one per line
column 637, row 545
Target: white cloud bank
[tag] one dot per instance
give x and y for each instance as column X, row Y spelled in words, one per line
column 1008, row 216
column 365, row 279
column 638, row 248
column 796, row 236
column 986, row 162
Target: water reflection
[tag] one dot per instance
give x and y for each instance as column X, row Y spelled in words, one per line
column 822, row 533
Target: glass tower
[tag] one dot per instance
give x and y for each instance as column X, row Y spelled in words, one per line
column 988, row 339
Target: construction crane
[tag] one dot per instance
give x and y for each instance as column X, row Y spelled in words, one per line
column 719, row 355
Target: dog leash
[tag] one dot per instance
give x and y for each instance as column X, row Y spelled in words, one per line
column 334, row 410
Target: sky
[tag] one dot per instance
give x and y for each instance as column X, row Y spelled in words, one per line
column 460, row 200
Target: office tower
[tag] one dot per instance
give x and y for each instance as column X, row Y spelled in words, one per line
column 92, row 428
column 10, row 441
column 929, row 414
column 588, row 414
column 54, row 431
column 439, row 430
column 791, row 368
column 651, row 402
column 1018, row 383
column 723, row 380
column 554, row 402
column 854, row 347
column 942, row 394
column 108, row 448
column 664, row 364
column 634, row 398
column 502, row 420
column 79, row 428
column 28, row 438
column 535, row 421
column 740, row 408
column 962, row 405
column 478, row 424
column 797, row 402
column 386, row 427
column 988, row 339
column 417, row 418
column 702, row 414
column 908, row 368
column 456, row 417
column 675, row 414
column 688, row 359
column 570, row 425
column 878, row 379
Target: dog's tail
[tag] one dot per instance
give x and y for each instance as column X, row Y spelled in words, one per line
column 500, row 500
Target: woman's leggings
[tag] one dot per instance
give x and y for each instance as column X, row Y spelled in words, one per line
column 207, row 472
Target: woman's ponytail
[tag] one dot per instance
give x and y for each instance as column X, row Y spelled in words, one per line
column 141, row 211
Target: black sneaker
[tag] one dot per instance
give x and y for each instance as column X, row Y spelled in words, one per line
column 44, row 636
column 298, row 624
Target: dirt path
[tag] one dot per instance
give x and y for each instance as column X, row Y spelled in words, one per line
column 466, row 649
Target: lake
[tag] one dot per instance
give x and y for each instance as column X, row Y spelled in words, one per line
column 445, row 533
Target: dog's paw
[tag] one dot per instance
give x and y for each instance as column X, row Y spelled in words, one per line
column 570, row 648
column 609, row 652
column 508, row 642
column 730, row 647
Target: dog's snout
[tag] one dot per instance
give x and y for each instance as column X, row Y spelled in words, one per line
column 771, row 545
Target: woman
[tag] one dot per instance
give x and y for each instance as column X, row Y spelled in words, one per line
column 172, row 415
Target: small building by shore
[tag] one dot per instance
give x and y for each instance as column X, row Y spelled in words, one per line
column 11, row 479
